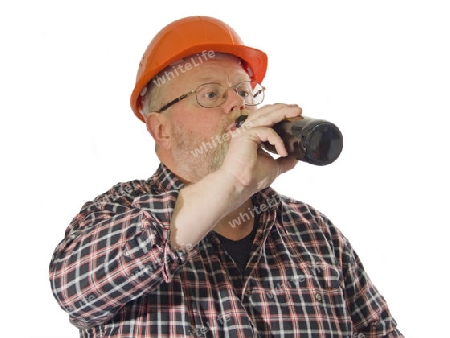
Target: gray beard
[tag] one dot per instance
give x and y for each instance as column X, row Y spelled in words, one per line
column 195, row 159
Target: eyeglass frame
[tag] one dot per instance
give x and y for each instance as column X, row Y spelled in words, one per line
column 185, row 95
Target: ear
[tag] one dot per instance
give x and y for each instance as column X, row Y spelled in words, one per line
column 158, row 125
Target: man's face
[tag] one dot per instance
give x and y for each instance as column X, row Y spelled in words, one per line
column 200, row 136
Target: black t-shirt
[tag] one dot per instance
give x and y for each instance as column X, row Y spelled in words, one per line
column 240, row 250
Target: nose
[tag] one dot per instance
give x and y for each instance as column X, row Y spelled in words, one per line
column 233, row 101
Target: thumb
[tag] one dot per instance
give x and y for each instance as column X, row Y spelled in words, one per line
column 285, row 164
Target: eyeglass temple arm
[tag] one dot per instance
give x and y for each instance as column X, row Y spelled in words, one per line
column 178, row 99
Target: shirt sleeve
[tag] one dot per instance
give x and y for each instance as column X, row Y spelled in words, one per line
column 368, row 309
column 114, row 250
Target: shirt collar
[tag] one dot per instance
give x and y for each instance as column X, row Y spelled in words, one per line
column 165, row 180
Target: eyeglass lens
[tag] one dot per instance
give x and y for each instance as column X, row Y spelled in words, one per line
column 214, row 94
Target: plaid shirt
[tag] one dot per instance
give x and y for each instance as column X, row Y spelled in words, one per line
column 116, row 275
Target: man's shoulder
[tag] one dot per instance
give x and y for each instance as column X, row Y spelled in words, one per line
column 291, row 206
column 161, row 181
column 300, row 214
column 131, row 187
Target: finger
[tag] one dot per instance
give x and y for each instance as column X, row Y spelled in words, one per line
column 271, row 114
column 274, row 139
column 265, row 134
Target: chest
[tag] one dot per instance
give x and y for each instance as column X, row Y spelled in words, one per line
column 286, row 288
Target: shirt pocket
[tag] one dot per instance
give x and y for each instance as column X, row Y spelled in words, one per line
column 310, row 295
column 318, row 289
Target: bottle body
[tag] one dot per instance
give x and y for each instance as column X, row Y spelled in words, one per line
column 314, row 141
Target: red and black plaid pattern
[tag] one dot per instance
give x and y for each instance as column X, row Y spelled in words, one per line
column 116, row 275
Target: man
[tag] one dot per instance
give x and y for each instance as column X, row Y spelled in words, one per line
column 205, row 248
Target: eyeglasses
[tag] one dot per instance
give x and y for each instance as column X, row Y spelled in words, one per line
column 211, row 95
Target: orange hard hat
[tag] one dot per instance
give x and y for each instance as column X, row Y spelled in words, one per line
column 186, row 37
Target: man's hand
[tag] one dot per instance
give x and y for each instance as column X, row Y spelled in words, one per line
column 246, row 169
column 252, row 167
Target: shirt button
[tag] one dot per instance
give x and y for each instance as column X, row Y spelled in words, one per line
column 318, row 297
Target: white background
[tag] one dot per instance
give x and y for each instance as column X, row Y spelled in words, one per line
column 379, row 70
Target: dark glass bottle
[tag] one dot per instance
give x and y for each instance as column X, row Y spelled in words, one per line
column 314, row 141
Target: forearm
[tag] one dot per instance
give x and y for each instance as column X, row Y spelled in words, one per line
column 200, row 206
